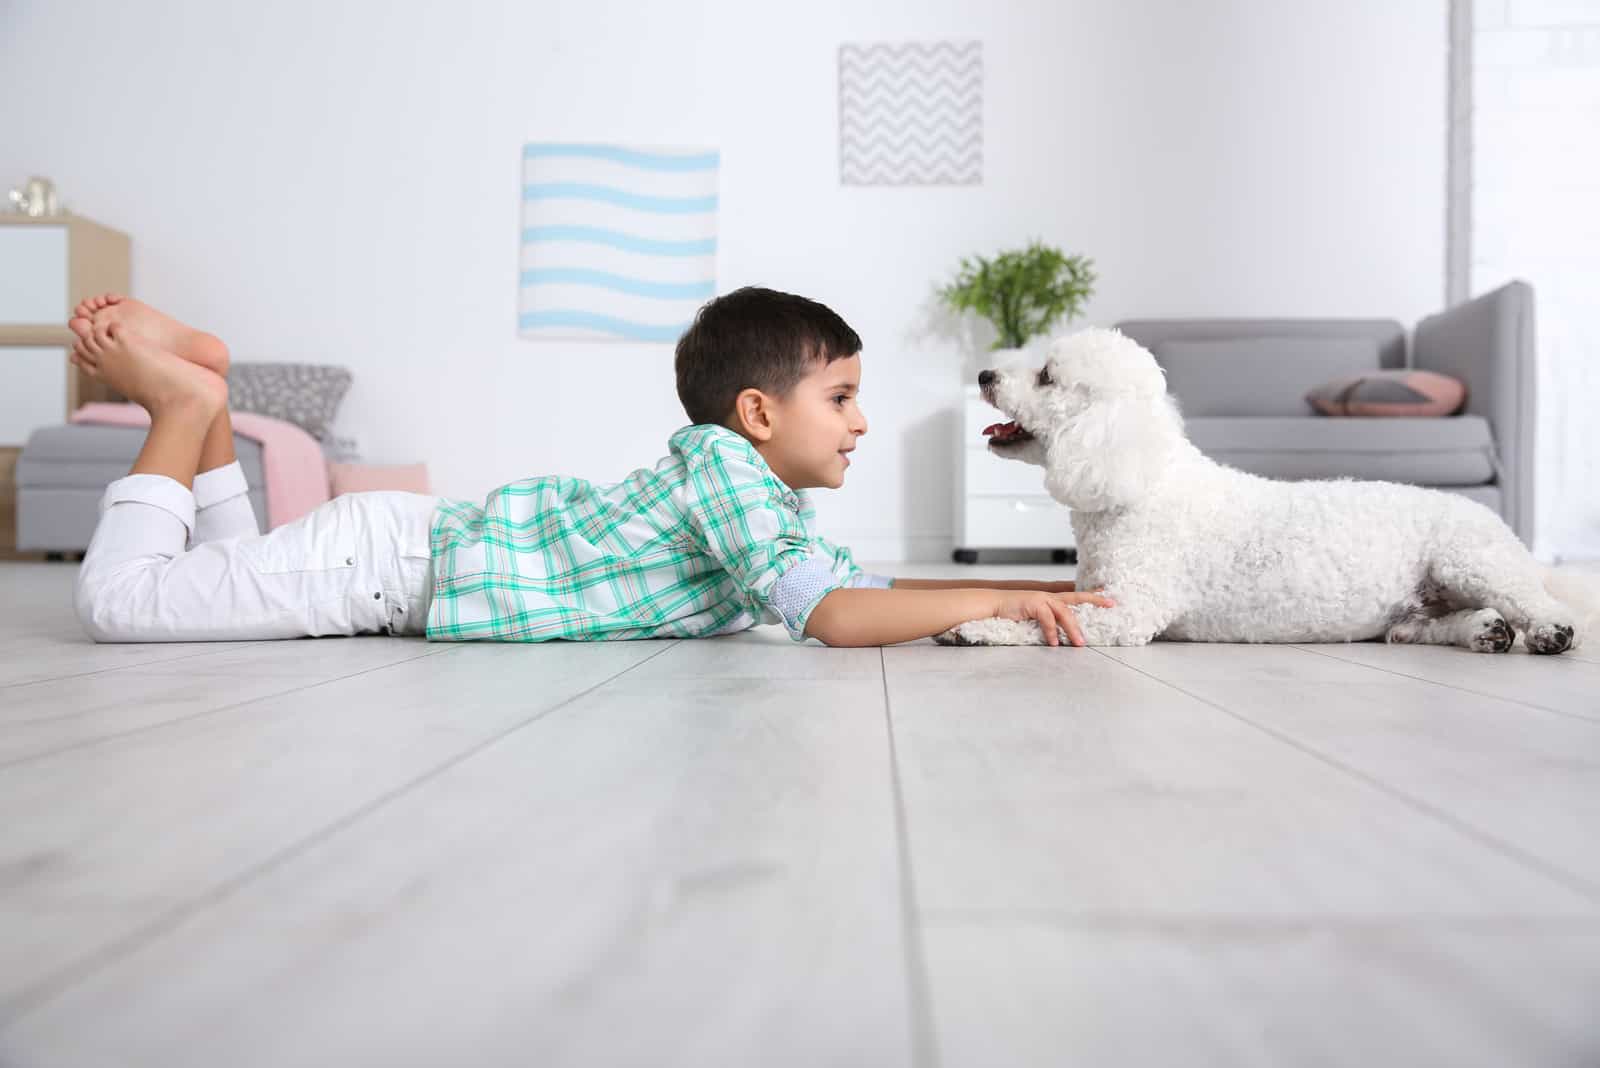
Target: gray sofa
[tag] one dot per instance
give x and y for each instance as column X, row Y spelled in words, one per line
column 1241, row 385
column 64, row 470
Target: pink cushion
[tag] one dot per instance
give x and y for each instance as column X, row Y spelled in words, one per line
column 363, row 478
column 1407, row 394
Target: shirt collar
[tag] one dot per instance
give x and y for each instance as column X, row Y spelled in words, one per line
column 695, row 437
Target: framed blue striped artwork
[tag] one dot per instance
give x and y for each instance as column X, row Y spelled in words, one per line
column 618, row 243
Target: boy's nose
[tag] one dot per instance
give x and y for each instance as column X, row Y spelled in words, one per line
column 985, row 377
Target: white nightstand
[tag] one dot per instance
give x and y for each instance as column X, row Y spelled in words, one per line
column 1002, row 504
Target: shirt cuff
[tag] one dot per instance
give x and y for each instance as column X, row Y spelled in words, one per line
column 798, row 590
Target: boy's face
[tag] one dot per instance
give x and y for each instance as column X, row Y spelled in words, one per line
column 816, row 425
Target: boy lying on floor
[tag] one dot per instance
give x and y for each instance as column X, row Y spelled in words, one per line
column 714, row 539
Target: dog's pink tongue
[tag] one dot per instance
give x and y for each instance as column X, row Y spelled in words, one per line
column 999, row 428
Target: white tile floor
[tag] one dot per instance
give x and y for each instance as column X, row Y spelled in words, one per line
column 742, row 851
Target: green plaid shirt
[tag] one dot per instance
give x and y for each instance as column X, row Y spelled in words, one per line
column 708, row 542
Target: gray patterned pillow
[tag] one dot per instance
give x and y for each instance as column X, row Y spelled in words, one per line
column 305, row 394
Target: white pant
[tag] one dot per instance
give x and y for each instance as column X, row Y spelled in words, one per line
column 359, row 564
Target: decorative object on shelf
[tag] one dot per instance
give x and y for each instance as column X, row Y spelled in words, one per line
column 618, row 243
column 1022, row 292
column 36, row 199
column 911, row 114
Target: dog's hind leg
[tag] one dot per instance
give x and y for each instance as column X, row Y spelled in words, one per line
column 1483, row 630
column 1503, row 576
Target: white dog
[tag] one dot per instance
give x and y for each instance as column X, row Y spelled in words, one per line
column 1192, row 550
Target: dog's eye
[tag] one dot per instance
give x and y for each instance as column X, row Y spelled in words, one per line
column 1044, row 377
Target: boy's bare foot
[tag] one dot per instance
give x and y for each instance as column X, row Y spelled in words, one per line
column 144, row 372
column 193, row 345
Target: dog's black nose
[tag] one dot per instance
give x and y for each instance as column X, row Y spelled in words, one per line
column 985, row 377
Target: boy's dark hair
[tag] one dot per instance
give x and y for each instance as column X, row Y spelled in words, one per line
column 755, row 338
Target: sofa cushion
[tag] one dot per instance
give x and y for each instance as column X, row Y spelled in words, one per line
column 81, row 455
column 1458, row 451
column 1257, row 376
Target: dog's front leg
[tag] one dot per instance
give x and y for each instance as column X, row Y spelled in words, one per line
column 1124, row 624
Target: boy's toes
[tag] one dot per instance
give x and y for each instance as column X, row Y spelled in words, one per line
column 80, row 324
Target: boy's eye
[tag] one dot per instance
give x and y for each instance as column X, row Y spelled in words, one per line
column 1044, row 376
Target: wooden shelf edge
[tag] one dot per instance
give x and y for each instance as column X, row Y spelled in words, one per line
column 17, row 336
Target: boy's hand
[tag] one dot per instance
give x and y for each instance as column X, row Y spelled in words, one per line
column 1054, row 587
column 1052, row 611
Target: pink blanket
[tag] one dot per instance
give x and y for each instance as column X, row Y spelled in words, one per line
column 292, row 462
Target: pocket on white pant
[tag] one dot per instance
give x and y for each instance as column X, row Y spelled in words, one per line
column 310, row 569
column 323, row 539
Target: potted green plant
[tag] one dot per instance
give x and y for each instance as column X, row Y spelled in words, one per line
column 1022, row 292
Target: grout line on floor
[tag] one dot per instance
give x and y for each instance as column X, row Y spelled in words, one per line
column 162, row 724
column 1572, row 882
column 1451, row 685
column 924, row 1045
column 224, row 647
column 1208, row 925
column 52, row 986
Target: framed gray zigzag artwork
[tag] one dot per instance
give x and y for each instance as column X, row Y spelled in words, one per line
column 911, row 114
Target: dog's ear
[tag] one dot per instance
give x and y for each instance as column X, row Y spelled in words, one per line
column 1109, row 453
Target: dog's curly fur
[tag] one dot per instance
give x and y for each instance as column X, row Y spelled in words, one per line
column 1192, row 550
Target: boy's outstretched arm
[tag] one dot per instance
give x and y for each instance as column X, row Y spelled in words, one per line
column 883, row 617
column 983, row 584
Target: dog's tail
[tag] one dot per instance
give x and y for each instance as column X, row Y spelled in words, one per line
column 1580, row 592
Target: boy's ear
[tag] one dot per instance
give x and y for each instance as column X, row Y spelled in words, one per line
column 753, row 414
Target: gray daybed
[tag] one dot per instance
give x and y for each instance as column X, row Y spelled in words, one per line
column 64, row 470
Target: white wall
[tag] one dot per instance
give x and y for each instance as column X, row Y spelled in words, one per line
column 1536, row 215
column 339, row 182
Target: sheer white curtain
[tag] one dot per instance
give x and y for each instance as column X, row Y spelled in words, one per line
column 1532, row 176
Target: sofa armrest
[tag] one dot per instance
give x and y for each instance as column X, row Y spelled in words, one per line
column 1488, row 343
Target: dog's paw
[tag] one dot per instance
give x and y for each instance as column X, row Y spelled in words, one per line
column 992, row 632
column 1407, row 633
column 1490, row 633
column 957, row 636
column 1549, row 638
